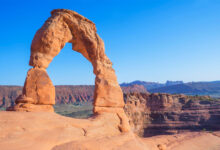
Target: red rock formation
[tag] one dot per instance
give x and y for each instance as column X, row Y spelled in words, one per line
column 134, row 89
column 8, row 94
column 152, row 114
column 68, row 26
column 136, row 110
column 74, row 94
column 65, row 26
column 38, row 92
column 65, row 94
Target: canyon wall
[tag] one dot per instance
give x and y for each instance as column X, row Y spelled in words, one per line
column 149, row 114
column 154, row 114
column 65, row 94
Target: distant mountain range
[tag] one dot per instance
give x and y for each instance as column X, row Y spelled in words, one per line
column 151, row 85
column 179, row 87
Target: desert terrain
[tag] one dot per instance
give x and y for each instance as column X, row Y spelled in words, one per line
column 50, row 131
column 107, row 115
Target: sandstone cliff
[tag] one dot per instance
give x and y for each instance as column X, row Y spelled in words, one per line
column 8, row 94
column 152, row 114
column 65, row 94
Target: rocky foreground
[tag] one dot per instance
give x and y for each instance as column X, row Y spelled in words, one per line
column 50, row 131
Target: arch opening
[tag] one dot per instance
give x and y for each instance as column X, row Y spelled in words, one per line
column 66, row 26
column 74, row 84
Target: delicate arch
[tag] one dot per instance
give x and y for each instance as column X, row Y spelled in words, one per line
column 68, row 26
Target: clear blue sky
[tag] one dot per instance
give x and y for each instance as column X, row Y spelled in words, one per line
column 150, row 40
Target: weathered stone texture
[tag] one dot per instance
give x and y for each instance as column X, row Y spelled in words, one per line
column 66, row 26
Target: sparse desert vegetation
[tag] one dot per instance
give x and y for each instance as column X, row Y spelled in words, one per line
column 81, row 110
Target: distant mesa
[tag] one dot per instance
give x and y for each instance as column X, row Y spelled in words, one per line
column 65, row 94
column 152, row 85
column 168, row 83
column 211, row 88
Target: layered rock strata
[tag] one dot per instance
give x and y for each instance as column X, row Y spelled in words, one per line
column 152, row 114
column 66, row 26
column 65, row 94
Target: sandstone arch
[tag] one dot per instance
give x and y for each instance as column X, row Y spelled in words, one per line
column 66, row 26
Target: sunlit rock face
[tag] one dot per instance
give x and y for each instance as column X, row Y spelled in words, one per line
column 155, row 114
column 66, row 26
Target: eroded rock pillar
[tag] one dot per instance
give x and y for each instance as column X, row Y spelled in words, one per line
column 108, row 97
column 38, row 92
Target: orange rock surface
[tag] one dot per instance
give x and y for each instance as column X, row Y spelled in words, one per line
column 50, row 131
column 66, row 26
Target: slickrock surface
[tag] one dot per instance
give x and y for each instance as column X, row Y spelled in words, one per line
column 185, row 141
column 50, row 131
column 152, row 114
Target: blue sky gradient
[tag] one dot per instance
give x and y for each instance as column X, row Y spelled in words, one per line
column 150, row 40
